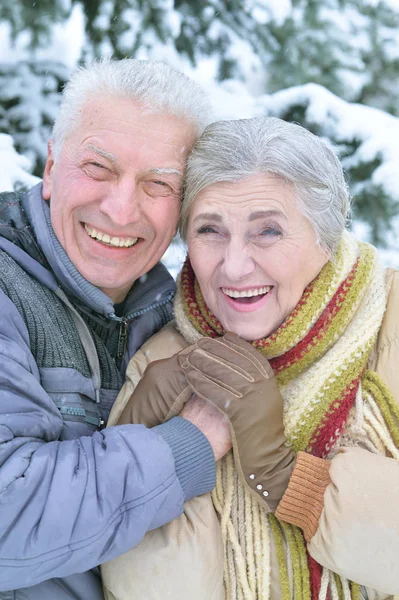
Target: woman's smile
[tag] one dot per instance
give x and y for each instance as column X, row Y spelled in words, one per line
column 246, row 300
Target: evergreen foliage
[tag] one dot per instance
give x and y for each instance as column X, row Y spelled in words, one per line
column 35, row 17
column 348, row 46
column 29, row 99
column 359, row 62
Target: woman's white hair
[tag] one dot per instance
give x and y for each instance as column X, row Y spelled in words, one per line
column 154, row 85
column 230, row 151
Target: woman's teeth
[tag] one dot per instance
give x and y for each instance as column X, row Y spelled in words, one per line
column 247, row 293
column 118, row 242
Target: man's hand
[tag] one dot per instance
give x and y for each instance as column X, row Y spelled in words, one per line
column 160, row 394
column 213, row 424
column 239, row 381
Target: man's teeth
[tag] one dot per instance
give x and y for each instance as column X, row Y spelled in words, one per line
column 247, row 293
column 110, row 241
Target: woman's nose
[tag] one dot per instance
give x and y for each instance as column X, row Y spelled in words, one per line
column 237, row 262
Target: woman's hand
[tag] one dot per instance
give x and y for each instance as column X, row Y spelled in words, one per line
column 160, row 394
column 238, row 380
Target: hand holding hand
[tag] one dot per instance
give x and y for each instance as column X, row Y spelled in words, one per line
column 238, row 380
column 163, row 392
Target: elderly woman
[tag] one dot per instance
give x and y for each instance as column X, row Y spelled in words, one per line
column 307, row 502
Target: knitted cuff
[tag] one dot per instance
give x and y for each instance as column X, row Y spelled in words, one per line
column 303, row 500
column 193, row 454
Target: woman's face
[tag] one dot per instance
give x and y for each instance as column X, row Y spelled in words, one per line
column 253, row 253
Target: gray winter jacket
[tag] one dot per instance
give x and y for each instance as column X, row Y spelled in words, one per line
column 73, row 495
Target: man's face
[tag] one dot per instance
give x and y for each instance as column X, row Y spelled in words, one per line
column 115, row 191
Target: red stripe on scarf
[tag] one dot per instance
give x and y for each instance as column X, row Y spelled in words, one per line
column 333, row 422
column 315, row 574
column 315, row 335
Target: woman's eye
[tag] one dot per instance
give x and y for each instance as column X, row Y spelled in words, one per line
column 271, row 231
column 206, row 229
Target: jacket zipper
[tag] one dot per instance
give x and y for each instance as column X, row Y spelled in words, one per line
column 122, row 338
column 124, row 324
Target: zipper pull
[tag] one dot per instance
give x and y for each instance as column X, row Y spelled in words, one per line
column 122, row 339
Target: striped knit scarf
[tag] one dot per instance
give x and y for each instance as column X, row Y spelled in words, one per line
column 319, row 355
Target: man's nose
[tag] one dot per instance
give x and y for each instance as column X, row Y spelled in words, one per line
column 122, row 204
column 237, row 261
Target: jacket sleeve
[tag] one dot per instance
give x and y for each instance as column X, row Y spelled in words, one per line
column 348, row 510
column 348, row 507
column 68, row 506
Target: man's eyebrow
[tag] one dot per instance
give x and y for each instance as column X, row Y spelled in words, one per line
column 165, row 171
column 208, row 217
column 108, row 155
column 261, row 214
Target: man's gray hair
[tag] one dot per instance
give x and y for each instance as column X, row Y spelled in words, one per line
column 230, row 151
column 154, row 85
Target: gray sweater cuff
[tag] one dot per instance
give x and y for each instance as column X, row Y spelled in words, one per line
column 193, row 454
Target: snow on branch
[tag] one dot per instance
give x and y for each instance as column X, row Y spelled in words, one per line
column 374, row 132
column 14, row 168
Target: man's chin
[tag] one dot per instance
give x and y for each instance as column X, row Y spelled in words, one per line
column 104, row 279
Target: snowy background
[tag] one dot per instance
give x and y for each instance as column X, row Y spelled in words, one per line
column 331, row 65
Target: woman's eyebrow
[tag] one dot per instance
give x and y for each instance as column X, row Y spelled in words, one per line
column 208, row 216
column 261, row 214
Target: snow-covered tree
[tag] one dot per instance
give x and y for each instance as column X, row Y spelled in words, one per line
column 35, row 17
column 29, row 99
column 349, row 46
column 255, row 57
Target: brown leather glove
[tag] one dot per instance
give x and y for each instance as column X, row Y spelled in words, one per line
column 234, row 376
column 160, row 394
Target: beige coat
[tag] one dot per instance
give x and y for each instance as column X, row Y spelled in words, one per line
column 183, row 560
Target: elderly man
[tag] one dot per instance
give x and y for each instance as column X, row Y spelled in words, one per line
column 81, row 290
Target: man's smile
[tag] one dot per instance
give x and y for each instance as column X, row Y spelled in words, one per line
column 104, row 238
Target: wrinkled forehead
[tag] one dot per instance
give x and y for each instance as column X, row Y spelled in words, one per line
column 125, row 115
column 254, row 194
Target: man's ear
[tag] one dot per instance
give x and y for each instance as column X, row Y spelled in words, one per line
column 48, row 172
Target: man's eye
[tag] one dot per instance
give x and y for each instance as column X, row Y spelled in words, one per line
column 96, row 170
column 157, row 187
